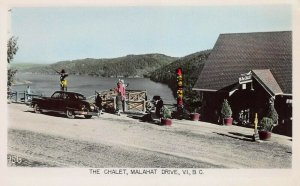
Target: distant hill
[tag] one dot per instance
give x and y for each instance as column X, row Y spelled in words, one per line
column 25, row 66
column 192, row 66
column 127, row 66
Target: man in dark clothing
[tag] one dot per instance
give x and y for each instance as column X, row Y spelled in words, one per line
column 99, row 102
column 158, row 102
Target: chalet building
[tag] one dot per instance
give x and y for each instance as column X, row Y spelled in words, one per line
column 248, row 69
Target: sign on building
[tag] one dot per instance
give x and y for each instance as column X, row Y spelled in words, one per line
column 245, row 78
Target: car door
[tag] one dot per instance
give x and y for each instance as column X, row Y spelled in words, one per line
column 62, row 102
column 55, row 101
column 71, row 101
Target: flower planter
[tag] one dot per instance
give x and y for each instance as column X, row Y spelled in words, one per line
column 227, row 121
column 264, row 135
column 195, row 116
column 166, row 121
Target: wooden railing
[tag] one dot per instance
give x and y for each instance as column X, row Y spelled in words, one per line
column 136, row 100
column 21, row 96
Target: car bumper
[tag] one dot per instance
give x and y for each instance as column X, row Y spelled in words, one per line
column 86, row 113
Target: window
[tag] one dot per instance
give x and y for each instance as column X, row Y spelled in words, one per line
column 71, row 97
column 81, row 97
column 56, row 95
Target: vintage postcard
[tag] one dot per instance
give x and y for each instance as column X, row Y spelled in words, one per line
column 149, row 91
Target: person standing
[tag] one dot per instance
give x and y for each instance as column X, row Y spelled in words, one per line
column 63, row 81
column 121, row 95
column 99, row 103
column 124, row 100
column 159, row 105
column 28, row 93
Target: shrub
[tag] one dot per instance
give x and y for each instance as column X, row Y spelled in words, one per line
column 166, row 112
column 226, row 109
column 272, row 113
column 266, row 124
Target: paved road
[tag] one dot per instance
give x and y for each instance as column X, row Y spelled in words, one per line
column 112, row 141
column 43, row 150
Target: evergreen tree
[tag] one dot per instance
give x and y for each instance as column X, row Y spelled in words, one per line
column 12, row 49
column 272, row 113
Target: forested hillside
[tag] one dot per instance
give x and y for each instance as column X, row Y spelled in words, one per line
column 192, row 66
column 128, row 66
column 158, row 67
column 25, row 66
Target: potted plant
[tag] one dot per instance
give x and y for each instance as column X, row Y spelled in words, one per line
column 194, row 115
column 193, row 102
column 226, row 113
column 268, row 123
column 265, row 128
column 166, row 116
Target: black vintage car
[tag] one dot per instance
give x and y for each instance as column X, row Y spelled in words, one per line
column 69, row 103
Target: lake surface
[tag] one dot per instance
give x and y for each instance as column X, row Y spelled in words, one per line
column 87, row 85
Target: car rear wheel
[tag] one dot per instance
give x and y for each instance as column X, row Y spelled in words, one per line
column 37, row 109
column 88, row 116
column 70, row 114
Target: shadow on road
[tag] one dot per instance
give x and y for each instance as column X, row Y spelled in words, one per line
column 145, row 118
column 54, row 114
column 244, row 137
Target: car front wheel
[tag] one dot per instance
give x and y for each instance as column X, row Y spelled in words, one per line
column 70, row 114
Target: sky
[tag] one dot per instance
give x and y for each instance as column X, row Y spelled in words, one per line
column 49, row 35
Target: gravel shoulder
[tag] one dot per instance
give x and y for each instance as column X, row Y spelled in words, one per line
column 122, row 141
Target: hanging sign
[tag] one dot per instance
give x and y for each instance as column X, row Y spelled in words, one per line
column 245, row 78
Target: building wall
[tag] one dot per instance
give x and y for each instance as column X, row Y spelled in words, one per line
column 254, row 97
column 212, row 102
column 283, row 106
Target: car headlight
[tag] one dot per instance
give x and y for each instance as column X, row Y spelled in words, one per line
column 92, row 107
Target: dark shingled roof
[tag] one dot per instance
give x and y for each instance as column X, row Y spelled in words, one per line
column 235, row 54
column 267, row 80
